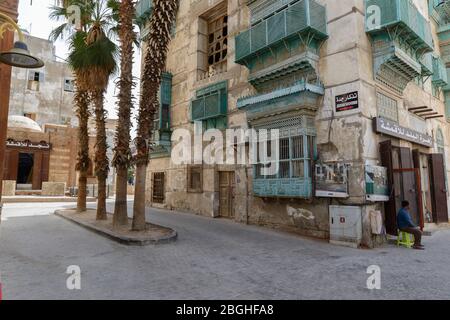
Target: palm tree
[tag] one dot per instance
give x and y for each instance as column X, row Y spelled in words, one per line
column 122, row 152
column 94, row 55
column 93, row 58
column 81, row 96
column 82, row 101
column 160, row 25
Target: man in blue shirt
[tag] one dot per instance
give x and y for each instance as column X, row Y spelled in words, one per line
column 405, row 224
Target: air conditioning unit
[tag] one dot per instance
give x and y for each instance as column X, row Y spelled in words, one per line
column 346, row 225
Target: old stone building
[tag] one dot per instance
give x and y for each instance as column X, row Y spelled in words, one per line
column 358, row 90
column 39, row 161
column 44, row 95
column 42, row 145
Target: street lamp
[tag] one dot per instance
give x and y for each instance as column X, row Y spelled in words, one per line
column 19, row 56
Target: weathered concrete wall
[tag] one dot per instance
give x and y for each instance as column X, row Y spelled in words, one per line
column 9, row 188
column 53, row 188
column 51, row 103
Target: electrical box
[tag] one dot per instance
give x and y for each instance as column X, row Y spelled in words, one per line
column 346, row 225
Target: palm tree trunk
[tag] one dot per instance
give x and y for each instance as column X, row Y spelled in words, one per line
column 120, row 217
column 101, row 159
column 122, row 152
column 139, row 222
column 163, row 17
column 101, row 200
column 82, row 100
column 82, row 191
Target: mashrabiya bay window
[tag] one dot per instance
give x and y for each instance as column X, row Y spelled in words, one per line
column 297, row 149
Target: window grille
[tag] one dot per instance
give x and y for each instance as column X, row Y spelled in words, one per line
column 158, row 187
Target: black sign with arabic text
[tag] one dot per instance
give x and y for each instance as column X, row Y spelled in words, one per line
column 348, row 101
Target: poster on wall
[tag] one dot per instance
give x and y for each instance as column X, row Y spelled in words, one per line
column 332, row 180
column 377, row 187
column 348, row 101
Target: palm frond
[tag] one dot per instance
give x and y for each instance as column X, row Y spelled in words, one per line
column 59, row 32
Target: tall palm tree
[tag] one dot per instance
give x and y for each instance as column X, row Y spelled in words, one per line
column 160, row 25
column 94, row 55
column 93, row 58
column 81, row 96
column 122, row 152
column 82, row 101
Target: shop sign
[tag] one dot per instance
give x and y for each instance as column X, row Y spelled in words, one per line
column 332, row 180
column 27, row 144
column 377, row 186
column 348, row 101
column 393, row 129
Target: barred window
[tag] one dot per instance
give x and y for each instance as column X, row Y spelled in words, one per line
column 158, row 187
column 295, row 154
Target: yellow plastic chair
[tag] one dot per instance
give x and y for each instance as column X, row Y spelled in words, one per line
column 405, row 239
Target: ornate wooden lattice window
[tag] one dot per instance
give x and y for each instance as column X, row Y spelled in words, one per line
column 195, row 179
column 212, row 48
column 295, row 156
column 218, row 40
column 387, row 107
column 210, row 106
column 296, row 150
column 162, row 116
column 158, row 194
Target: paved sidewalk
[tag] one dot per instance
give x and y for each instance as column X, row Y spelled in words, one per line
column 212, row 259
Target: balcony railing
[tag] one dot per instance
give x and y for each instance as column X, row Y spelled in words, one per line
column 402, row 19
column 427, row 64
column 439, row 73
column 442, row 7
column 143, row 10
column 305, row 17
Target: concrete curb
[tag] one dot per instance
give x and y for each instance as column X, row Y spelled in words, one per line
column 43, row 200
column 126, row 240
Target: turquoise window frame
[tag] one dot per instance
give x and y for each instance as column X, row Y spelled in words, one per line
column 309, row 156
column 219, row 119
